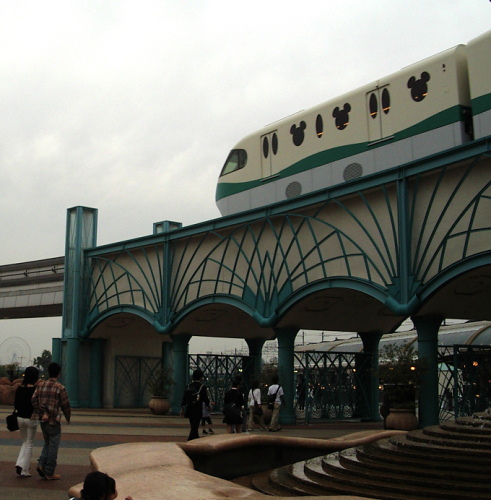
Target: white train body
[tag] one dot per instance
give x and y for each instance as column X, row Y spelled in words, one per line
column 479, row 57
column 421, row 110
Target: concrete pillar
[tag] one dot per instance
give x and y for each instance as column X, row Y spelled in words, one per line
column 180, row 369
column 286, row 358
column 427, row 328
column 256, row 352
column 369, row 378
column 96, row 364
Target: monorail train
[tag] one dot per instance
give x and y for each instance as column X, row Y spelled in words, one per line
column 428, row 107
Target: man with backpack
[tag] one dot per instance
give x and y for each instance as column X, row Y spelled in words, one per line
column 276, row 398
column 193, row 398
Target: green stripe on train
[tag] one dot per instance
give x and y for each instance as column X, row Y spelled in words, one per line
column 481, row 104
column 447, row 117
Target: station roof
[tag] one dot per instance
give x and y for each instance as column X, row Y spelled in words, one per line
column 470, row 333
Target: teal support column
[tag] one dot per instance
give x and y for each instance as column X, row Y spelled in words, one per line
column 180, row 369
column 168, row 364
column 286, row 357
column 56, row 351
column 96, row 364
column 369, row 381
column 81, row 231
column 70, row 370
column 256, row 352
column 427, row 328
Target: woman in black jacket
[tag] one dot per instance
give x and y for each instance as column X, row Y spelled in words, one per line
column 27, row 427
column 236, row 397
column 192, row 402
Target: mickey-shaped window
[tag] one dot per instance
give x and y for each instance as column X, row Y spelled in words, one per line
column 298, row 134
column 341, row 116
column 419, row 88
column 236, row 160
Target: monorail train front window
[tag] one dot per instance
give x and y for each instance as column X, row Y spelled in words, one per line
column 236, row 159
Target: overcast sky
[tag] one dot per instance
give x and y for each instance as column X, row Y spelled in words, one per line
column 131, row 107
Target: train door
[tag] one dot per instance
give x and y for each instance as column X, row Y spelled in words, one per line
column 269, row 149
column 378, row 105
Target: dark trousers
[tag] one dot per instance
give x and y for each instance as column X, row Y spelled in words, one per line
column 194, row 423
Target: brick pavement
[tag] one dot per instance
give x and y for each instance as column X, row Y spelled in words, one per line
column 92, row 429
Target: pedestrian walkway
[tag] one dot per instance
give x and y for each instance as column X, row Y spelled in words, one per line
column 92, row 429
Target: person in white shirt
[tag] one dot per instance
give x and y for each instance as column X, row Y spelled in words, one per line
column 276, row 389
column 254, row 402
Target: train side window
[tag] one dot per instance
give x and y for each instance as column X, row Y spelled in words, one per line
column 342, row 116
column 274, row 143
column 236, row 160
column 385, row 100
column 265, row 147
column 319, row 126
column 373, row 105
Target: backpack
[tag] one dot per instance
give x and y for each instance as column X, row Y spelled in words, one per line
column 192, row 394
column 192, row 397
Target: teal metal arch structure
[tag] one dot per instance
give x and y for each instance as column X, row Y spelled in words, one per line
column 408, row 242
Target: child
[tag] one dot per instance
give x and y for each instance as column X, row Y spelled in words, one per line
column 99, row 486
column 207, row 419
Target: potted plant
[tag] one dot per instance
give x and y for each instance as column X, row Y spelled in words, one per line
column 159, row 386
column 400, row 373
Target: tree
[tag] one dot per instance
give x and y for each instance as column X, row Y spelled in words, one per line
column 43, row 361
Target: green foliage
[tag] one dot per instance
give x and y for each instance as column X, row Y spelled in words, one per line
column 42, row 362
column 160, row 383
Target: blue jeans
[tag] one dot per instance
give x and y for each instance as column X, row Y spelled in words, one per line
column 49, row 454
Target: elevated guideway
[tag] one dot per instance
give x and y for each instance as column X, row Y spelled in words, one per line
column 32, row 289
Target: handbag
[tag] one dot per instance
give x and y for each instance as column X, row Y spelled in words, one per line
column 231, row 411
column 272, row 399
column 12, row 423
column 258, row 409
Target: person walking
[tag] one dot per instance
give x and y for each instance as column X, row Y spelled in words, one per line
column 255, row 408
column 275, row 390
column 49, row 400
column 27, row 427
column 193, row 398
column 234, row 398
column 206, row 418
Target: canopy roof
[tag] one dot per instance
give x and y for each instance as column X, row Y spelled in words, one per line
column 471, row 333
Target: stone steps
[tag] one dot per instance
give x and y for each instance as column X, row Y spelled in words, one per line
column 261, row 482
column 451, row 461
column 378, row 458
column 415, row 475
column 445, row 446
column 471, row 428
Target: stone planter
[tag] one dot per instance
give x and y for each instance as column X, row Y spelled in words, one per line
column 159, row 405
column 401, row 420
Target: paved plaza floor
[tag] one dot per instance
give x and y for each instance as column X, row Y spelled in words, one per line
column 92, row 429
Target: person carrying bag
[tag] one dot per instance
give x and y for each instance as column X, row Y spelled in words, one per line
column 276, row 397
column 255, row 408
column 232, row 407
